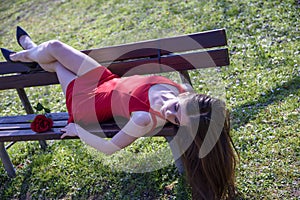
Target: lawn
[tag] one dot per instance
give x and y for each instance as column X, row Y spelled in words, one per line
column 262, row 92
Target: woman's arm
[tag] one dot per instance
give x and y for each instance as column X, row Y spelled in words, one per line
column 139, row 124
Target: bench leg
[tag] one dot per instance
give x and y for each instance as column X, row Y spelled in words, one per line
column 174, row 148
column 43, row 144
column 6, row 161
column 28, row 108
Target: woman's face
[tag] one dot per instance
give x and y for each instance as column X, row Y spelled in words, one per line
column 174, row 111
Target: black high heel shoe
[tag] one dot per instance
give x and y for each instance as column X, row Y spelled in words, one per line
column 6, row 53
column 20, row 32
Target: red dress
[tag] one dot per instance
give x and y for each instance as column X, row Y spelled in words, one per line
column 99, row 95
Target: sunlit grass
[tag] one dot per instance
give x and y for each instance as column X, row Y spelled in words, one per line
column 261, row 90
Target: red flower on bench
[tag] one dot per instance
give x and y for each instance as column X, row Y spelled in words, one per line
column 41, row 123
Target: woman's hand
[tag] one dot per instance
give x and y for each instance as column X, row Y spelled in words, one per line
column 69, row 130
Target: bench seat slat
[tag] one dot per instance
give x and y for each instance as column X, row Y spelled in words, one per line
column 28, row 135
column 27, row 118
column 17, row 128
column 55, row 134
column 56, row 124
column 56, row 117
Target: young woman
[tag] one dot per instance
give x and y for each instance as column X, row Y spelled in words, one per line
column 94, row 94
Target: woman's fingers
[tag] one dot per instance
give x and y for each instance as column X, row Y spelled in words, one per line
column 68, row 130
column 65, row 131
column 63, row 135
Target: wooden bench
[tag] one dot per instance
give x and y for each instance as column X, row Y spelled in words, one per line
column 181, row 53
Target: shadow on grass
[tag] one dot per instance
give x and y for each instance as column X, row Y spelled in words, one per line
column 243, row 114
column 25, row 183
column 81, row 177
column 247, row 112
column 22, row 182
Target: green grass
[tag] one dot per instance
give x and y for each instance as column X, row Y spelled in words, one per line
column 262, row 91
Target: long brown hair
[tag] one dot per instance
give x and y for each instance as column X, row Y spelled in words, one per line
column 210, row 159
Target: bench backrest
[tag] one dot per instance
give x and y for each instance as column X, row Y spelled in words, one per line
column 187, row 52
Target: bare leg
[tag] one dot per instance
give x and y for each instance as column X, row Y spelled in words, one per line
column 64, row 75
column 48, row 53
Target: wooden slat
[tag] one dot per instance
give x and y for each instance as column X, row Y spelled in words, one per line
column 9, row 67
column 197, row 60
column 28, row 80
column 27, row 118
column 208, row 39
column 28, row 135
column 56, row 124
column 23, row 126
column 178, row 62
column 196, row 41
column 55, row 134
column 17, row 128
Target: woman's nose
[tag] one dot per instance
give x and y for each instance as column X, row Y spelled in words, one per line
column 169, row 113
